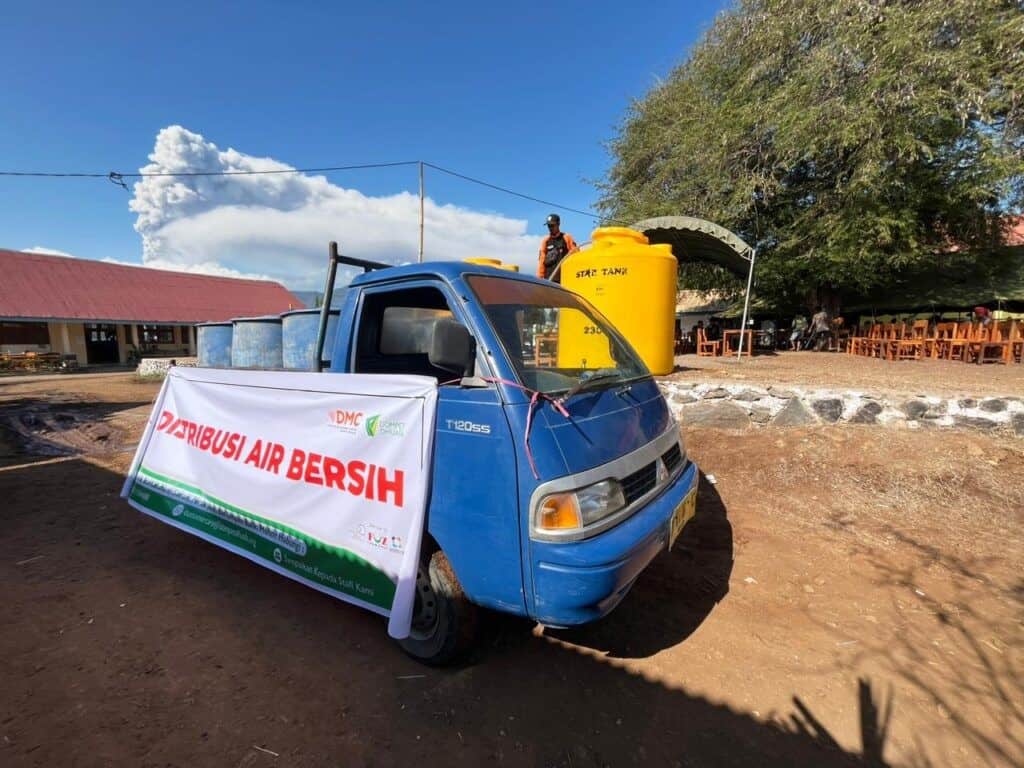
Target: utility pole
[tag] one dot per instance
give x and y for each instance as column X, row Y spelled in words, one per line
column 421, row 212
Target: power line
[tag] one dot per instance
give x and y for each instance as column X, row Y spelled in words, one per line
column 507, row 191
column 118, row 178
column 157, row 174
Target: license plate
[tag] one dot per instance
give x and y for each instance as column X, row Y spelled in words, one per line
column 686, row 510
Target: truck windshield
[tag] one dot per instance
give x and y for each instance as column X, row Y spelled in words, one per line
column 557, row 342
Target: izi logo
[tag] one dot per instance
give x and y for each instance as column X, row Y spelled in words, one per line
column 375, row 425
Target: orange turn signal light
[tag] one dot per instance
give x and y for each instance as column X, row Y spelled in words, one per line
column 559, row 512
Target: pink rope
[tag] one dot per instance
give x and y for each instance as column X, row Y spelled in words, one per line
column 535, row 397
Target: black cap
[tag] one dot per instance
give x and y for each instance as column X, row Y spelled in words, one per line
column 553, row 218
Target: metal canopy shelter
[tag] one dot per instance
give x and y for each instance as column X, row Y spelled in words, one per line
column 700, row 240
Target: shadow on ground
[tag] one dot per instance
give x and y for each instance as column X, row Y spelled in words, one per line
column 963, row 658
column 675, row 594
column 128, row 642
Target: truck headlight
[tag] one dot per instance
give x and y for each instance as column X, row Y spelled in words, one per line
column 574, row 510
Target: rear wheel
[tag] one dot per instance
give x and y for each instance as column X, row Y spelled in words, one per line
column 444, row 622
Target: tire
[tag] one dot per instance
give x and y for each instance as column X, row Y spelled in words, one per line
column 444, row 622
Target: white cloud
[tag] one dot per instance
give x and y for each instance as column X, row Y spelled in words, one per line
column 47, row 251
column 279, row 225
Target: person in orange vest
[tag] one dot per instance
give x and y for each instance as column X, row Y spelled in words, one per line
column 553, row 248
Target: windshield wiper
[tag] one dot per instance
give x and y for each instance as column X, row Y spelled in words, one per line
column 586, row 383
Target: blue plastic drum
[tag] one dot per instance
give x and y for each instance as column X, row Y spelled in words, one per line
column 256, row 342
column 298, row 336
column 214, row 342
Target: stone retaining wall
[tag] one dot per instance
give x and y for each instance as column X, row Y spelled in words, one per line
column 152, row 367
column 738, row 406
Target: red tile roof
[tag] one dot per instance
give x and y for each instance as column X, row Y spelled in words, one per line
column 59, row 288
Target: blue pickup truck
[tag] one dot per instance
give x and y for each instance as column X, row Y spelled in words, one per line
column 552, row 486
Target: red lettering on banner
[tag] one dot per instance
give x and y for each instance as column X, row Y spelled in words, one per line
column 357, row 471
column 348, row 418
column 276, row 456
column 385, row 486
column 334, row 472
column 254, row 455
column 356, row 477
column 295, row 465
column 205, row 438
column 165, row 420
column 217, row 448
column 312, row 475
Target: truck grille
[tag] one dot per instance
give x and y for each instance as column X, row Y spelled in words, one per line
column 639, row 483
column 672, row 458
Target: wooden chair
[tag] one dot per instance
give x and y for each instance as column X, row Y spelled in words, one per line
column 911, row 346
column 994, row 339
column 839, row 335
column 707, row 348
column 1015, row 349
column 890, row 342
column 857, row 339
column 875, row 341
column 956, row 347
column 545, row 349
column 935, row 345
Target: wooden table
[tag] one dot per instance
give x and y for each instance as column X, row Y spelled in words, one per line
column 748, row 343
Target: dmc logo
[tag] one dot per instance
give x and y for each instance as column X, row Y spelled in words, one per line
column 278, row 557
column 346, row 421
column 346, row 418
column 178, row 510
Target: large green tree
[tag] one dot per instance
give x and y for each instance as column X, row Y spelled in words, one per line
column 850, row 139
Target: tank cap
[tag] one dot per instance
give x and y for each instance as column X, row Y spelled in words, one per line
column 618, row 233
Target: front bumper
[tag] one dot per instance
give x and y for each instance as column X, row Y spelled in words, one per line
column 580, row 581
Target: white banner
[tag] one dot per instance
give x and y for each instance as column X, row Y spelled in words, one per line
column 322, row 477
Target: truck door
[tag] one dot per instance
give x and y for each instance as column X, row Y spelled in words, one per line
column 473, row 512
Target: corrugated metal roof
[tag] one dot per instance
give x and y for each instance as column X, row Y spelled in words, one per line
column 59, row 288
column 695, row 239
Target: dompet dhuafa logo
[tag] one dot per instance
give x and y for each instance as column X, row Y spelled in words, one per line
column 375, row 426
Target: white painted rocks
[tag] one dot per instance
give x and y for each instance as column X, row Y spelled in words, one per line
column 728, row 405
column 157, row 366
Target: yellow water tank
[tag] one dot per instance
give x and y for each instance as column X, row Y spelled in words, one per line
column 633, row 284
column 496, row 263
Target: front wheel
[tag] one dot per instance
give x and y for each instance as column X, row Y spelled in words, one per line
column 444, row 622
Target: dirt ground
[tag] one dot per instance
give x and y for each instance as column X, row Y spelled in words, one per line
column 845, row 596
column 841, row 371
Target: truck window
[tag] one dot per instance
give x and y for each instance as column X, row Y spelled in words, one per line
column 395, row 328
column 554, row 338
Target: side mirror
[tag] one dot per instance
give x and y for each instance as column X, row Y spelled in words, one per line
column 452, row 347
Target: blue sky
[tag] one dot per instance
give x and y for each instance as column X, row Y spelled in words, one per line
column 523, row 96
